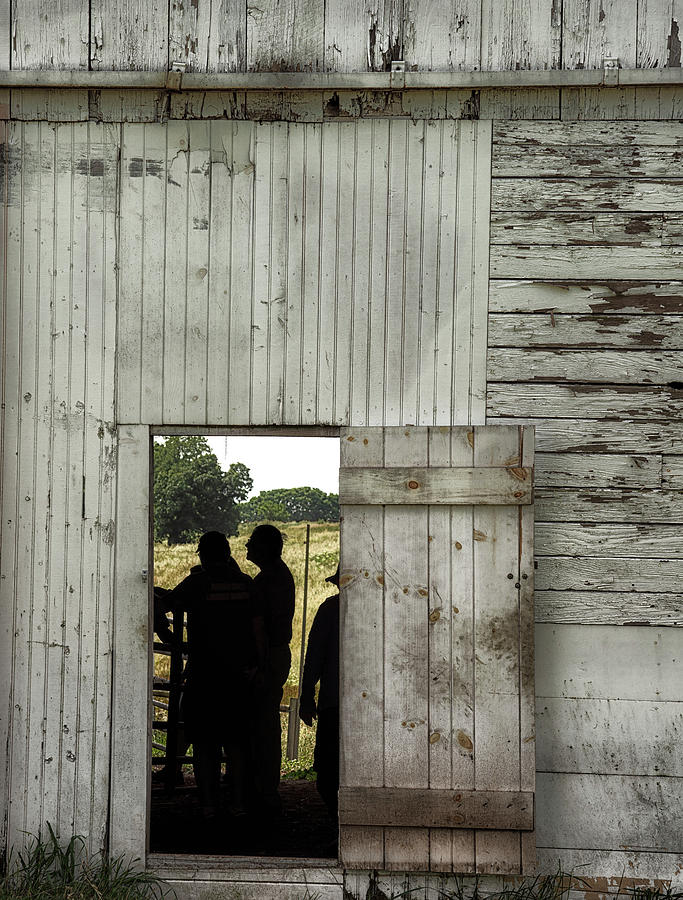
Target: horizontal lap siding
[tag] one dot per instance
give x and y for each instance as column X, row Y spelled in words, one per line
column 303, row 274
column 58, row 474
column 586, row 342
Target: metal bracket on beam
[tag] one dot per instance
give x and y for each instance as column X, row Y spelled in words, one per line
column 398, row 75
column 611, row 71
column 174, row 78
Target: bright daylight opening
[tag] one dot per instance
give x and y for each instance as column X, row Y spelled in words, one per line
column 224, row 781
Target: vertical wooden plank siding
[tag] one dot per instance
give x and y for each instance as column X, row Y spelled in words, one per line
column 436, row 623
column 49, row 36
column 130, row 777
column 362, row 35
column 496, row 650
column 6, row 532
column 362, row 650
column 658, row 42
column 129, row 34
column 208, row 35
column 520, row 34
column 285, row 35
column 342, row 267
column 443, row 36
column 58, row 479
column 592, row 32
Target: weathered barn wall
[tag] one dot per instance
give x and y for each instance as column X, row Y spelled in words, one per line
column 585, row 345
column 330, row 274
column 59, row 474
column 338, row 36
column 585, row 342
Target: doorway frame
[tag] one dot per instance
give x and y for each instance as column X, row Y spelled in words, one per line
column 133, row 659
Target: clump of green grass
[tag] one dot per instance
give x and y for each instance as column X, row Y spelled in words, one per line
column 46, row 870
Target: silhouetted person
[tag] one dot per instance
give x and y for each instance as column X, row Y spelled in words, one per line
column 274, row 587
column 322, row 665
column 226, row 646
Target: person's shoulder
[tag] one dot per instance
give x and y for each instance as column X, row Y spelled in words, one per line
column 330, row 605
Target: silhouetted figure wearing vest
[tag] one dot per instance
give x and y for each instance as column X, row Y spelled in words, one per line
column 226, row 647
column 322, row 665
column 274, row 588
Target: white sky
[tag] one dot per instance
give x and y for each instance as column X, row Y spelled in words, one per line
column 283, row 462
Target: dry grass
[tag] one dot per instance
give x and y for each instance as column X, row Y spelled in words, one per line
column 172, row 564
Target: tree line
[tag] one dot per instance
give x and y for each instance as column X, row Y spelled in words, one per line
column 192, row 494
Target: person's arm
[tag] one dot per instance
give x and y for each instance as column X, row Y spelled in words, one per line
column 161, row 624
column 313, row 666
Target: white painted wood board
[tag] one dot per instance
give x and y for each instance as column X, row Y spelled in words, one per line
column 591, row 33
column 645, row 812
column 131, row 656
column 658, row 40
column 327, row 333
column 361, row 36
column 606, row 662
column 128, row 34
column 605, row 737
column 524, row 35
column 562, row 573
column 430, row 726
column 53, row 36
column 208, row 35
column 64, row 486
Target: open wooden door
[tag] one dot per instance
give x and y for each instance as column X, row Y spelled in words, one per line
column 437, row 765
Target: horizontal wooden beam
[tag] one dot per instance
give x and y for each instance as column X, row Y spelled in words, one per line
column 81, row 79
column 482, row 486
column 433, row 808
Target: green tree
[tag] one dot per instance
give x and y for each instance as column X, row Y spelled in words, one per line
column 302, row 504
column 192, row 494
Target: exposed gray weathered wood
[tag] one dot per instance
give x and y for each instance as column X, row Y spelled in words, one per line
column 606, row 134
column 658, row 38
column 587, row 229
column 129, row 34
column 672, row 472
column 613, row 298
column 560, row 193
column 596, row 331
column 208, row 35
column 597, row 469
column 610, row 505
column 562, row 573
column 593, row 32
column 397, row 485
column 48, row 35
column 520, row 35
column 593, row 401
column 442, row 36
column 285, row 36
column 594, row 366
column 362, row 35
column 556, row 539
column 434, row 808
column 648, row 264
column 609, row 608
column 540, row 158
column 597, row 436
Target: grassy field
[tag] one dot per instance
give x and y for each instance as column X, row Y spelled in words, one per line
column 172, row 564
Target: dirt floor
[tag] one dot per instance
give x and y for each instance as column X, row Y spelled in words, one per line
column 304, row 830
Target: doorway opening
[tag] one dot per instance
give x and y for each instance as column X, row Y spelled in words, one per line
column 233, row 483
